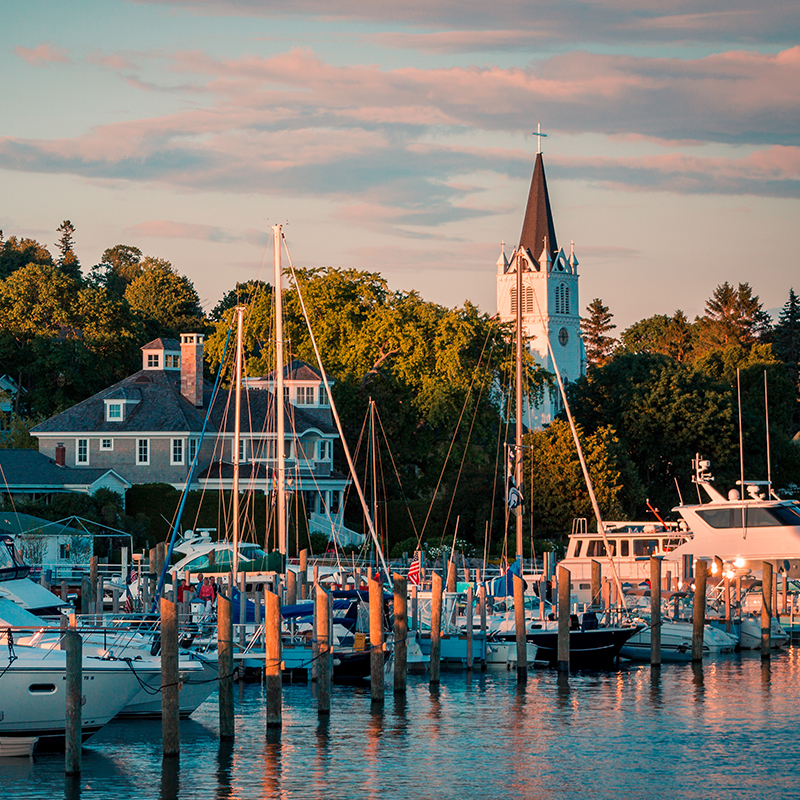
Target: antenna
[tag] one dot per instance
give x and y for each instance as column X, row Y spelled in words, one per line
column 741, row 452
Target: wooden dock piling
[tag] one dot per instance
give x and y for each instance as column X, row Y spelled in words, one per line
column 73, row 644
column 272, row 659
column 303, row 574
column 482, row 611
column 470, row 628
column 727, row 590
column 291, row 587
column 699, row 609
column 376, row 657
column 451, row 576
column 170, row 698
column 655, row 611
column 766, row 609
column 563, row 619
column 520, row 628
column 323, row 635
column 225, row 667
column 436, row 628
column 400, row 632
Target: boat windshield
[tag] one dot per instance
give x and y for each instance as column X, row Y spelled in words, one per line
column 771, row 517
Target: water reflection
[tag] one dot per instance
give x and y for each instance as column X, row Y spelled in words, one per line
column 271, row 774
column 72, row 787
column 170, row 778
column 656, row 698
column 698, row 681
column 224, row 770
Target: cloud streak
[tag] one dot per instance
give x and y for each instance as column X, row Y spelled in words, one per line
column 45, row 53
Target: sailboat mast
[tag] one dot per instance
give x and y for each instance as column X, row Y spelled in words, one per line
column 518, row 381
column 237, row 436
column 277, row 237
column 374, row 462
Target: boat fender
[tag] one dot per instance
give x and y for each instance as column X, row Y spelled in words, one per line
column 156, row 646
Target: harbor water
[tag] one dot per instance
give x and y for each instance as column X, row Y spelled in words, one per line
column 727, row 729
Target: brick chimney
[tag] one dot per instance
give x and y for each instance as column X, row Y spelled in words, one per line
column 192, row 368
column 61, row 454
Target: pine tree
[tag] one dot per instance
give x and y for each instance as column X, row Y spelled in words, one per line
column 594, row 328
column 734, row 316
column 787, row 337
column 68, row 261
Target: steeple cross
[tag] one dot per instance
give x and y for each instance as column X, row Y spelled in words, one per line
column 539, row 135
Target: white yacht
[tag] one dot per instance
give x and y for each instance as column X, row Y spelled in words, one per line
column 741, row 531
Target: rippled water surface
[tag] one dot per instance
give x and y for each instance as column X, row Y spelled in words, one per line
column 726, row 729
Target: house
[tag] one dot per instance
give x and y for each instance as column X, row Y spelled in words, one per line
column 42, row 543
column 30, row 475
column 147, row 429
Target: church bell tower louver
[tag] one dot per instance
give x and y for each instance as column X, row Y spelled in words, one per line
column 549, row 302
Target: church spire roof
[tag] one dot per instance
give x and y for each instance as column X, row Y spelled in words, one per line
column 538, row 222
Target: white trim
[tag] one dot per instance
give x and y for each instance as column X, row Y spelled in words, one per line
column 78, row 461
column 139, row 461
column 106, row 439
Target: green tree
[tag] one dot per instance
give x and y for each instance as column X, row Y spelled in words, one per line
column 244, row 294
column 118, row 268
column 594, row 328
column 787, row 338
column 733, row 316
column 166, row 301
column 68, row 261
column 670, row 336
column 558, row 494
column 16, row 253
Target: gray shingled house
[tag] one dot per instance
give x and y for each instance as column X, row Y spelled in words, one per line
column 147, row 427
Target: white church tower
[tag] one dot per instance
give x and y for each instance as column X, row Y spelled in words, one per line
column 550, row 302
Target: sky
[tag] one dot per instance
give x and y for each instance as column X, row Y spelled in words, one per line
column 399, row 138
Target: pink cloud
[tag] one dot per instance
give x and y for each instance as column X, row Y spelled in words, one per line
column 45, row 53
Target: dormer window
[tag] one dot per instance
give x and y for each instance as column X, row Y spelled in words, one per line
column 114, row 412
column 323, row 395
column 305, row 395
column 172, row 361
column 153, row 360
column 116, row 408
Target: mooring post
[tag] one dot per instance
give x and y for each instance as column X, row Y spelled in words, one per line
column 303, row 574
column 114, row 600
column 519, row 624
column 242, row 608
column 225, row 667
column 414, row 608
column 470, row 627
column 272, row 659
column 93, row 581
column 87, row 595
column 400, row 632
column 376, row 657
column 482, row 611
column 784, row 591
column 774, row 606
column 699, row 609
column 451, row 576
column 563, row 619
column 99, row 596
column 597, row 578
column 73, row 644
column 323, row 632
column 766, row 609
column 291, row 587
column 64, row 591
column 727, row 604
column 170, row 696
column 436, row 628
column 655, row 611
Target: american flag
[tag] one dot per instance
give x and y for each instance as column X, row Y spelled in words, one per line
column 413, row 570
column 132, row 575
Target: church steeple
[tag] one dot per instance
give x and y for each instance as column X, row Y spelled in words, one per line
column 538, row 222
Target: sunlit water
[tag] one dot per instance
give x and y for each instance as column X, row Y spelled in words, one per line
column 727, row 729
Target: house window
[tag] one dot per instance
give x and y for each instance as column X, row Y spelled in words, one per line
column 323, row 395
column 192, row 449
column 287, row 448
column 285, row 394
column 305, row 395
column 114, row 412
column 152, row 360
column 81, row 451
column 106, row 444
column 324, row 450
column 177, row 452
column 172, row 361
column 63, row 551
column 142, row 451
column 242, row 449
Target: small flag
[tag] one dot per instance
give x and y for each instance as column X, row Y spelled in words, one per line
column 132, row 575
column 514, row 497
column 413, row 570
column 128, row 601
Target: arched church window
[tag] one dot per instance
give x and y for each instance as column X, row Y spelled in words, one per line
column 562, row 299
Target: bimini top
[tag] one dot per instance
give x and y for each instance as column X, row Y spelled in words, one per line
column 11, row 565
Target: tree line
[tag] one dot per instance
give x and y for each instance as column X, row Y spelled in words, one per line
column 663, row 390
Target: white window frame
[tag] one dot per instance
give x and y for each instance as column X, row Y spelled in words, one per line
column 191, row 450
column 323, row 395
column 182, row 446
column 117, row 404
column 82, row 462
column 153, row 360
column 242, row 449
column 110, row 444
column 305, row 395
column 139, row 460
column 324, row 450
